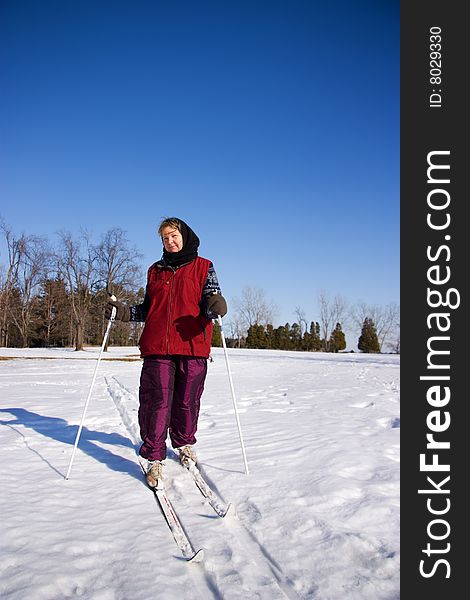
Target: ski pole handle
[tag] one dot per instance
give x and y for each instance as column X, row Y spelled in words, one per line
column 114, row 309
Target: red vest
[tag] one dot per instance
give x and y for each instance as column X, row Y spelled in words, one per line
column 174, row 324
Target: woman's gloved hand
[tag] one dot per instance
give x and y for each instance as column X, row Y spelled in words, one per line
column 216, row 305
column 123, row 312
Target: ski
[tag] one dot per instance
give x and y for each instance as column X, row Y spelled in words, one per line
column 220, row 509
column 179, row 535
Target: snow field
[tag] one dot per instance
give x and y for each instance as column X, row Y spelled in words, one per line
column 318, row 516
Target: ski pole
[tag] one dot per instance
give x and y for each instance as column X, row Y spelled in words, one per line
column 219, row 319
column 105, row 338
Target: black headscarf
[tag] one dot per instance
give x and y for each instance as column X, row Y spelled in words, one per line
column 189, row 250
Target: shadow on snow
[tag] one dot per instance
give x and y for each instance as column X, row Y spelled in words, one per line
column 59, row 430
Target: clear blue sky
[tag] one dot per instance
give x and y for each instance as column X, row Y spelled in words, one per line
column 271, row 127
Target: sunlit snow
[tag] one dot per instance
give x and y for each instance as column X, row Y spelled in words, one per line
column 317, row 517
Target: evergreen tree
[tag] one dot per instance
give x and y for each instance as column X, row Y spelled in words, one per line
column 275, row 345
column 53, row 315
column 282, row 338
column 11, row 331
column 295, row 337
column 251, row 337
column 216, row 336
column 269, row 336
column 306, row 343
column 337, row 339
column 256, row 337
column 368, row 340
column 315, row 332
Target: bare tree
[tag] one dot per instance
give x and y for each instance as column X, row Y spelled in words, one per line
column 77, row 267
column 395, row 345
column 386, row 318
column 118, row 273
column 33, row 267
column 236, row 330
column 301, row 319
column 15, row 250
column 253, row 308
column 117, row 263
column 332, row 311
column 28, row 258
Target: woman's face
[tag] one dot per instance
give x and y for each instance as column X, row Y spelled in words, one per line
column 172, row 239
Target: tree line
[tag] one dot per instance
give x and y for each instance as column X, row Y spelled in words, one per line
column 290, row 337
column 377, row 326
column 54, row 294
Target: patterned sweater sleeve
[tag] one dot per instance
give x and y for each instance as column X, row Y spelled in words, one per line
column 211, row 286
column 139, row 311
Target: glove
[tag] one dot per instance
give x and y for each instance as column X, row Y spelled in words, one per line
column 216, row 305
column 123, row 312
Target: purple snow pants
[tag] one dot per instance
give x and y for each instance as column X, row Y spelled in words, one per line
column 169, row 399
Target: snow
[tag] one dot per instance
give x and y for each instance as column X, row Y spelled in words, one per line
column 317, row 517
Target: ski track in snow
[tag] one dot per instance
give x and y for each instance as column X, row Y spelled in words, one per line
column 237, row 542
column 318, row 516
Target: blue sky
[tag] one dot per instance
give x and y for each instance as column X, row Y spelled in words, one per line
column 271, row 127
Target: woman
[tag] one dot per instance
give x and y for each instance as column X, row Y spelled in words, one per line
column 181, row 299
